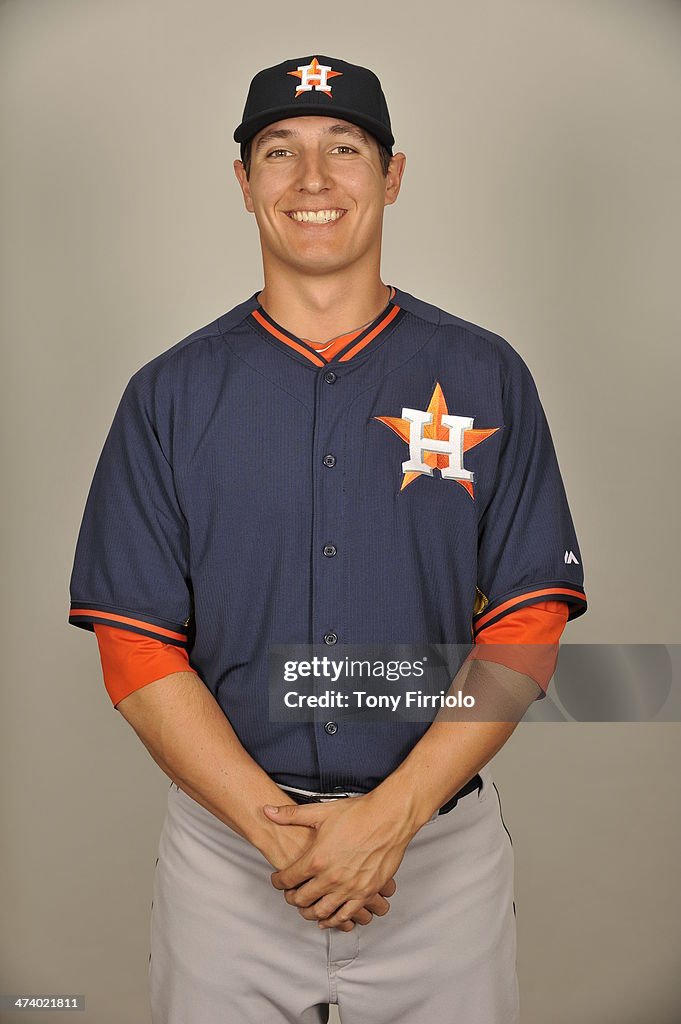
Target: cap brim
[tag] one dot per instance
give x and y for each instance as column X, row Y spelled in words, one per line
column 247, row 129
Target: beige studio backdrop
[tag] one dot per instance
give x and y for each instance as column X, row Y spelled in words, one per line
column 540, row 201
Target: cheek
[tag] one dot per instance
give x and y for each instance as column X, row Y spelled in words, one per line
column 266, row 216
column 367, row 191
column 268, row 194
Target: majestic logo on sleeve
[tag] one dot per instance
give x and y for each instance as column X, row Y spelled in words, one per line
column 314, row 76
column 437, row 440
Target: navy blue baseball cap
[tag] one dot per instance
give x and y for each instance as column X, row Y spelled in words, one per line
column 317, row 86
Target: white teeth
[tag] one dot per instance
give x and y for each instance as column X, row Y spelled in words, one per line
column 316, row 216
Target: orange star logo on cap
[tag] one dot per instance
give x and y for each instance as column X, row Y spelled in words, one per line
column 314, row 76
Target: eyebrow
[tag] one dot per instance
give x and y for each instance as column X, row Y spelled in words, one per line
column 288, row 133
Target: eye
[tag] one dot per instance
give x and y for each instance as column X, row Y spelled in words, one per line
column 349, row 148
column 274, row 152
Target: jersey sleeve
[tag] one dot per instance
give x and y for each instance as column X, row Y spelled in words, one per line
column 526, row 640
column 131, row 563
column 527, row 546
column 131, row 661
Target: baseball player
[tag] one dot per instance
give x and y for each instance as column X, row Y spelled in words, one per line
column 331, row 462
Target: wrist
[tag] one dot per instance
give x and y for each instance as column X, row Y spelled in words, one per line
column 280, row 845
column 398, row 799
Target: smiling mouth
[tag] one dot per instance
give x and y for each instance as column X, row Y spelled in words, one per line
column 315, row 216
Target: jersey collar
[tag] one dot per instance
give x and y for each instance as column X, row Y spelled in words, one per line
column 344, row 349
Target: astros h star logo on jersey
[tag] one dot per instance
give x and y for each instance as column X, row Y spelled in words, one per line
column 314, row 76
column 437, row 440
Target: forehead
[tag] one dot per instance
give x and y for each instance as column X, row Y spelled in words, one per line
column 309, row 127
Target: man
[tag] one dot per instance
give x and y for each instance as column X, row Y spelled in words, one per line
column 332, row 462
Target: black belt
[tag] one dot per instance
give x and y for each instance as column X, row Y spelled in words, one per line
column 470, row 787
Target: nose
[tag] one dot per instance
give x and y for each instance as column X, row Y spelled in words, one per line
column 313, row 172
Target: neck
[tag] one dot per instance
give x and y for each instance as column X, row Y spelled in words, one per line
column 326, row 306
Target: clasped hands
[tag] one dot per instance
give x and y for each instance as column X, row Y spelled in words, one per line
column 345, row 870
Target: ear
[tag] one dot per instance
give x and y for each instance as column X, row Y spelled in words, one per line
column 393, row 178
column 240, row 172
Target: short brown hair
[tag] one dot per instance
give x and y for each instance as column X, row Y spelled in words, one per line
column 383, row 153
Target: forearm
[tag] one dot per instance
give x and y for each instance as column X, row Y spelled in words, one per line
column 188, row 735
column 458, row 743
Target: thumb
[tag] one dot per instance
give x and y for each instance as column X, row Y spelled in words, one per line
column 293, row 814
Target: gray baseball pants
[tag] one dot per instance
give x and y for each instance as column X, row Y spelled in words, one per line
column 226, row 948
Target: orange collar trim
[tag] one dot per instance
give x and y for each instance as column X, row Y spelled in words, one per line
column 343, row 348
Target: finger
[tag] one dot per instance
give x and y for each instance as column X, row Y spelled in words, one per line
column 363, row 917
column 314, row 886
column 294, row 899
column 377, row 905
column 389, row 889
column 294, row 814
column 328, row 905
column 311, row 913
column 344, row 913
column 374, row 905
column 294, row 876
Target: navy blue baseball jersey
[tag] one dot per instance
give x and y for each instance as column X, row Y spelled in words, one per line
column 250, row 493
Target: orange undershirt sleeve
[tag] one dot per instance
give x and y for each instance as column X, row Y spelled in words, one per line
column 529, row 639
column 526, row 640
column 130, row 660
